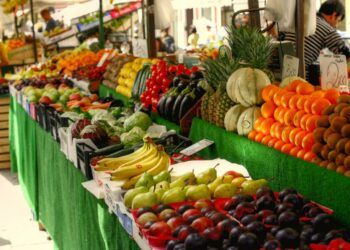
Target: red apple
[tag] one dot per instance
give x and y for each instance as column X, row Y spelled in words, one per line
column 184, row 232
column 75, row 97
column 190, row 212
column 45, row 100
column 203, row 203
column 160, row 229
column 234, row 174
column 174, row 222
column 202, row 223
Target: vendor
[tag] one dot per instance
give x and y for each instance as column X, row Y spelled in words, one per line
column 330, row 14
column 51, row 23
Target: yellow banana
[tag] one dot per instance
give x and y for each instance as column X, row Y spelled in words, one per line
column 136, row 169
column 153, row 151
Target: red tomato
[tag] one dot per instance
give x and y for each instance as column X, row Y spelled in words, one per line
column 166, row 82
column 188, row 72
column 172, row 69
column 142, row 97
column 194, row 69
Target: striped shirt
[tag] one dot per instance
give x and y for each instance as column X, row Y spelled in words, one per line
column 325, row 37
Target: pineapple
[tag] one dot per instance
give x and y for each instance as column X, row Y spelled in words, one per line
column 221, row 107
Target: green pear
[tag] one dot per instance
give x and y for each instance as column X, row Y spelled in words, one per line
column 225, row 190
column 187, row 187
column 227, row 178
column 160, row 188
column 176, row 194
column 198, row 192
column 130, row 195
column 184, row 180
column 251, row 186
column 163, row 185
column 212, row 186
column 238, row 181
column 162, row 176
column 206, row 176
column 145, row 200
column 146, row 180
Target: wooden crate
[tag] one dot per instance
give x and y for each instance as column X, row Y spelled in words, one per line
column 4, row 133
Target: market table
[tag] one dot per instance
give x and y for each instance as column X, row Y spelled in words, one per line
column 324, row 186
column 74, row 218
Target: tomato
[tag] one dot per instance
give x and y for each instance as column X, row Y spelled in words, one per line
column 154, row 94
column 194, row 69
column 143, row 97
column 162, row 75
column 156, row 88
column 172, row 69
column 150, row 83
column 148, row 100
column 155, row 102
column 188, row 72
column 154, row 67
column 181, row 67
column 166, row 82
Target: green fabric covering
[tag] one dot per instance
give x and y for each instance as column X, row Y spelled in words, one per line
column 169, row 125
column 105, row 91
column 52, row 185
column 321, row 185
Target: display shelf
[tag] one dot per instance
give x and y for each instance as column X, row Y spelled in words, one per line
column 321, row 185
column 52, row 186
column 105, row 91
column 4, row 126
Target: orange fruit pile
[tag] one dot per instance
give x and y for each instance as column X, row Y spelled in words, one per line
column 289, row 117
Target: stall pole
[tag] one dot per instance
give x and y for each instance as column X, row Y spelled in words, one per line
column 35, row 49
column 150, row 29
column 101, row 28
column 254, row 16
column 299, row 31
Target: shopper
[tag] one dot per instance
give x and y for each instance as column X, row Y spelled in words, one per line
column 210, row 36
column 326, row 36
column 193, row 38
column 168, row 41
column 51, row 23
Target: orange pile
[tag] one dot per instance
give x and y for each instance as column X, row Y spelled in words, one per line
column 289, row 117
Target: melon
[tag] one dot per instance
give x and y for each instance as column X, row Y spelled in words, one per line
column 288, row 80
column 232, row 116
column 247, row 119
column 245, row 84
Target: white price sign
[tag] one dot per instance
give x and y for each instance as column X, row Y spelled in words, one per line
column 334, row 72
column 139, row 47
column 103, row 59
column 191, row 150
column 290, row 66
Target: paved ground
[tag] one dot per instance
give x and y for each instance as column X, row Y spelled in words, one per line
column 18, row 231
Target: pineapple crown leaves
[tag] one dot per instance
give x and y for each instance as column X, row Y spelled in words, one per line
column 249, row 46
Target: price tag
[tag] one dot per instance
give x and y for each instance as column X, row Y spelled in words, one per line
column 103, row 59
column 139, row 47
column 197, row 147
column 290, row 66
column 334, row 72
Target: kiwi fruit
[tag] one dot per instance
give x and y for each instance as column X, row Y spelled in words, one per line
column 329, row 110
column 340, row 107
column 317, row 160
column 338, row 122
column 333, row 139
column 346, row 113
column 317, row 148
column 318, row 134
column 323, row 121
column 340, row 146
column 345, row 131
column 331, row 117
column 331, row 166
column 325, row 151
column 347, row 173
column 343, row 99
column 340, row 170
column 339, row 160
column 332, row 155
column 327, row 133
column 347, row 148
column 347, row 162
column 324, row 164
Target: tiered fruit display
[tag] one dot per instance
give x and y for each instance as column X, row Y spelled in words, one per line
column 332, row 133
column 14, row 43
column 264, row 220
column 289, row 117
column 128, row 73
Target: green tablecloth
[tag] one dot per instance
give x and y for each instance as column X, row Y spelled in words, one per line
column 52, row 186
column 321, row 185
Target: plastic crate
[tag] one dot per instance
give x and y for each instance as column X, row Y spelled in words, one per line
column 64, row 140
column 42, row 115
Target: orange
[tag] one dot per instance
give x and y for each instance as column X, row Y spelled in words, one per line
column 332, row 95
column 266, row 125
column 309, row 156
column 273, row 128
column 294, row 151
column 293, row 133
column 257, row 124
column 292, row 86
column 297, row 117
column 304, row 88
column 298, row 139
column 311, row 123
column 272, row 142
column 318, row 93
column 308, row 142
column 308, row 103
column 289, row 117
column 319, row 105
column 278, row 131
column 259, row 137
column 267, row 109
column 252, row 135
column 285, row 134
column 301, row 153
column 277, row 112
column 281, row 115
column 278, row 145
column 266, row 139
column 286, row 98
column 293, row 101
column 301, row 101
column 277, row 97
column 268, row 92
column 304, row 120
column 287, row 148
